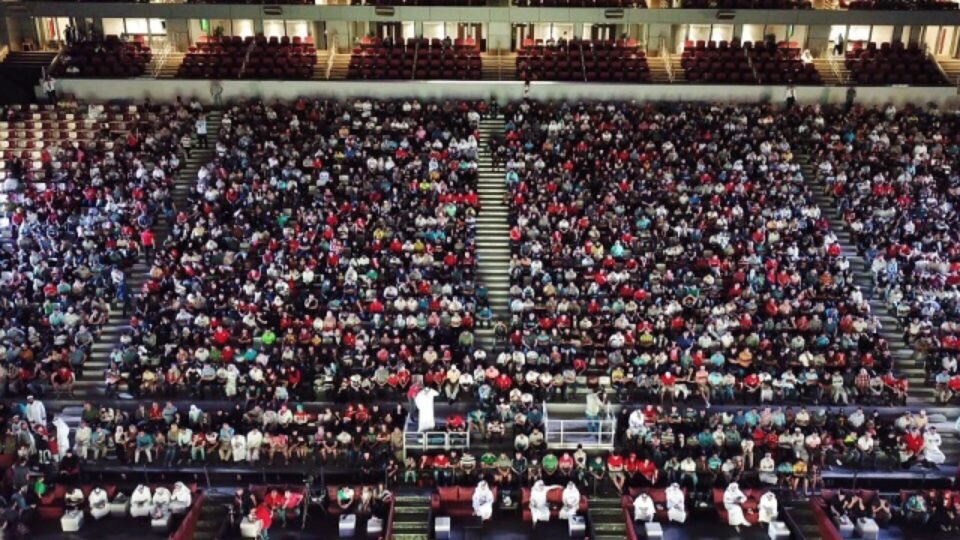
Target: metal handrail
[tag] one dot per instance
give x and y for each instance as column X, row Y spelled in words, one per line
column 246, row 58
column 930, row 56
column 753, row 69
column 416, row 57
column 836, row 70
column 667, row 59
column 583, row 61
column 164, row 54
column 330, row 56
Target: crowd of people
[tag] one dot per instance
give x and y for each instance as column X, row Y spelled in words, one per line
column 75, row 226
column 327, row 253
column 669, row 254
column 677, row 251
column 893, row 174
column 367, row 439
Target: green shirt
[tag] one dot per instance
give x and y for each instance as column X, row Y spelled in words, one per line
column 488, row 460
column 550, row 463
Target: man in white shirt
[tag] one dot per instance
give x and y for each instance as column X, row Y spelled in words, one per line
column 82, row 440
column 202, row 132
column 865, row 444
column 36, row 412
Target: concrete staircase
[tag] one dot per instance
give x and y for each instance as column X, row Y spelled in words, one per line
column 498, row 66
column 606, row 516
column 833, row 73
column 32, row 60
column 905, row 362
column 658, row 69
column 806, row 523
column 679, row 75
column 91, row 385
column 411, row 517
column 951, row 68
column 165, row 67
column 320, row 68
column 341, row 66
column 213, row 520
column 493, row 231
column 20, row 72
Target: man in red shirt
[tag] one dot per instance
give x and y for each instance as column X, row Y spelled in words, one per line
column 148, row 241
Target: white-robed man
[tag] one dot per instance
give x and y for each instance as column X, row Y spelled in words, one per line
column 643, row 508
column 238, row 447
column 539, row 508
column 98, row 503
column 180, row 498
column 733, row 498
column 424, row 402
column 767, row 511
column 254, row 442
column 570, row 500
column 141, row 502
column 483, row 501
column 161, row 498
column 676, row 504
column 931, row 447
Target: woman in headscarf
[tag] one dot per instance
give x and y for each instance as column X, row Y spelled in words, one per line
column 483, row 501
column 539, row 509
column 768, row 507
column 643, row 508
column 676, row 504
column 571, row 501
column 733, row 498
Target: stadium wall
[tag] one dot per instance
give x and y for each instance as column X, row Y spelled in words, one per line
column 166, row 90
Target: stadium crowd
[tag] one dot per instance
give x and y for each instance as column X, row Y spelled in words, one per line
column 678, row 252
column 669, row 254
column 76, row 218
column 893, row 174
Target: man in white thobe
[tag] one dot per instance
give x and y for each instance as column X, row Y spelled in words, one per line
column 767, row 511
column 676, row 504
column 36, row 413
column 141, row 502
column 570, row 500
column 98, row 503
column 539, row 508
column 424, row 402
column 180, row 498
column 931, row 447
column 643, row 508
column 483, row 501
column 733, row 498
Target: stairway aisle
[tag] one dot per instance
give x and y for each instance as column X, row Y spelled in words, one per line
column 214, row 519
column 804, row 519
column 905, row 363
column 91, row 385
column 826, row 66
column 411, row 517
column 606, row 516
column 493, row 231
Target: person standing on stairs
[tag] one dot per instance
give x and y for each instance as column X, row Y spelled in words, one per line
column 202, row 132
column 149, row 241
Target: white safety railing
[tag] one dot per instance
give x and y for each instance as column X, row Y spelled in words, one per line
column 425, row 441
column 591, row 434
